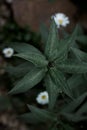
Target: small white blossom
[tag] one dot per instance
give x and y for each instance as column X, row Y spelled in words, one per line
column 42, row 98
column 8, row 52
column 61, row 19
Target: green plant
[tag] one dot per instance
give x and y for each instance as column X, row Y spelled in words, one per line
column 17, row 34
column 61, row 68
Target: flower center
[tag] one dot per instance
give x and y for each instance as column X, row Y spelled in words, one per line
column 60, row 21
column 43, row 97
column 8, row 52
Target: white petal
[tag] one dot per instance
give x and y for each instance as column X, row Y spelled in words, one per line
column 8, row 52
column 61, row 17
column 41, row 100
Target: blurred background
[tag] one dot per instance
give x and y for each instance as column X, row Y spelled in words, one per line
column 20, row 21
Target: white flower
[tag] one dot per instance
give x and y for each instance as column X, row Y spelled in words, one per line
column 42, row 98
column 61, row 19
column 8, row 52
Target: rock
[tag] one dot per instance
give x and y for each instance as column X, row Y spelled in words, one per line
column 33, row 12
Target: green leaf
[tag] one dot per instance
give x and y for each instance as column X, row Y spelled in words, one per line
column 43, row 115
column 23, row 47
column 60, row 81
column 35, row 58
column 80, row 55
column 44, row 33
column 65, row 34
column 65, row 45
column 62, row 51
column 72, row 66
column 19, row 70
column 52, row 42
column 74, row 118
column 67, row 127
column 74, row 34
column 82, row 39
column 80, row 30
column 76, row 110
column 5, row 103
column 73, row 38
column 75, row 81
column 30, row 80
column 52, row 90
column 83, row 109
column 30, row 118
